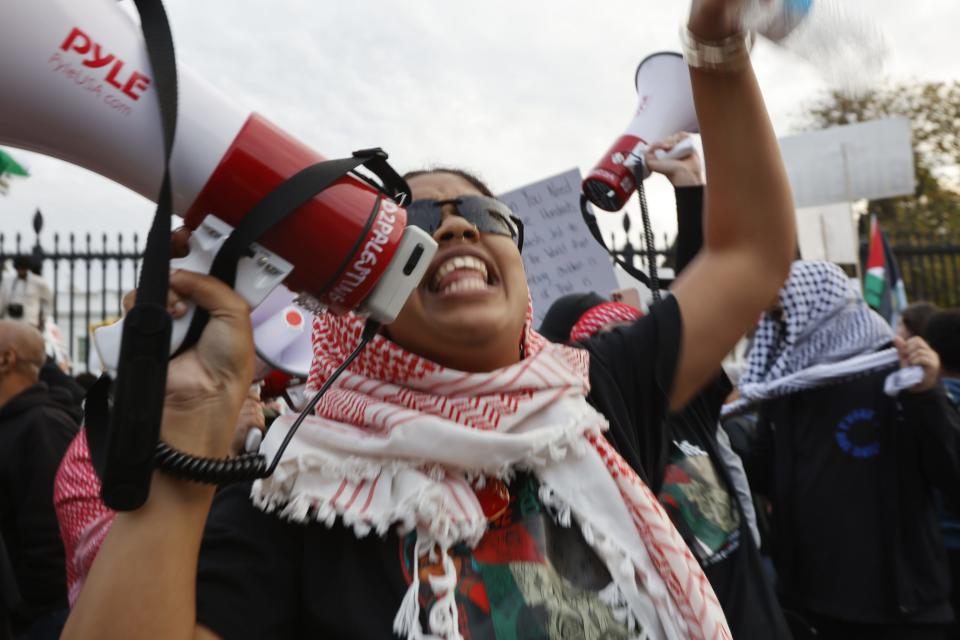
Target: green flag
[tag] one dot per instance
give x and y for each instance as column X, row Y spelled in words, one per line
column 10, row 166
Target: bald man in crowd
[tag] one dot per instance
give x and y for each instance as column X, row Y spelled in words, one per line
column 36, row 426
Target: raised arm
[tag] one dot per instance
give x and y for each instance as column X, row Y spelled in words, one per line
column 143, row 581
column 749, row 232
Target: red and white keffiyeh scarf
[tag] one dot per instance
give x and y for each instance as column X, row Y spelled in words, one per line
column 84, row 519
column 400, row 440
column 602, row 316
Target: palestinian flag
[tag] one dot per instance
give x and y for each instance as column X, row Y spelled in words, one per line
column 883, row 287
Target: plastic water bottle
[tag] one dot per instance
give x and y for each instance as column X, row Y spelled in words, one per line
column 842, row 43
column 775, row 19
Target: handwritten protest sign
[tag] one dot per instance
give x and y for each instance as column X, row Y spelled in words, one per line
column 559, row 254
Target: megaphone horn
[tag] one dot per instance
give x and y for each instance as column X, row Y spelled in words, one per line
column 77, row 86
column 665, row 107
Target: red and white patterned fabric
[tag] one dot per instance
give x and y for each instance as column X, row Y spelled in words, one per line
column 601, row 316
column 399, row 440
column 84, row 519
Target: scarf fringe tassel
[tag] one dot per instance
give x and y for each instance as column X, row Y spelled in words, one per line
column 424, row 507
column 443, row 618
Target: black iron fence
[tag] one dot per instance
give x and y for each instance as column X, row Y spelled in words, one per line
column 930, row 266
column 88, row 275
column 638, row 256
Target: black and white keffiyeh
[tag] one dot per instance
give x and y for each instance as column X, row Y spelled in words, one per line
column 826, row 332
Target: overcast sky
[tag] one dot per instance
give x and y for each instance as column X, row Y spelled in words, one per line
column 515, row 91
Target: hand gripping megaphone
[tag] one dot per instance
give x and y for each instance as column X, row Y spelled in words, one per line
column 77, row 85
column 665, row 107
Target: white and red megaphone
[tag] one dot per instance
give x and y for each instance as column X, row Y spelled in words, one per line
column 665, row 107
column 77, row 85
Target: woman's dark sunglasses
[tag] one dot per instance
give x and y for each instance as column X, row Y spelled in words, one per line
column 488, row 215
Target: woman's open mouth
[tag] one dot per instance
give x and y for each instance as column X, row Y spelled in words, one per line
column 461, row 273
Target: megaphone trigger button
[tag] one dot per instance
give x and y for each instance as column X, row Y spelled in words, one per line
column 413, row 260
column 208, row 240
column 263, row 282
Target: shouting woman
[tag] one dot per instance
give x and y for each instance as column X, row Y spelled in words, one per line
column 458, row 481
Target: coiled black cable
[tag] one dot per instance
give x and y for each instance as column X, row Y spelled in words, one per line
column 648, row 240
column 249, row 466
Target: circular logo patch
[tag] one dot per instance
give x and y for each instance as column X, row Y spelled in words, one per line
column 857, row 434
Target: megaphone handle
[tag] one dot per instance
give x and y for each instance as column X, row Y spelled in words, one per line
column 679, row 151
column 256, row 276
column 107, row 339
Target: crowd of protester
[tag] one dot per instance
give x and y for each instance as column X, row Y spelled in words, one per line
column 819, row 507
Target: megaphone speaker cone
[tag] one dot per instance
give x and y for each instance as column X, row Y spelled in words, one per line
column 664, row 107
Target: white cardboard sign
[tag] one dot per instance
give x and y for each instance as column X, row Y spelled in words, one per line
column 827, row 232
column 559, row 254
column 842, row 164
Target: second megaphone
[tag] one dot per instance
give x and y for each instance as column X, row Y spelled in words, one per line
column 665, row 107
column 77, row 86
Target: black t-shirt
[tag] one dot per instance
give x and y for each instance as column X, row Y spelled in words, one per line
column 699, row 502
column 697, row 493
column 676, row 455
column 261, row 577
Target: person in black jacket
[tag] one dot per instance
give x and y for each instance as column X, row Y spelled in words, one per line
column 850, row 469
column 690, row 475
column 36, row 426
column 942, row 331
